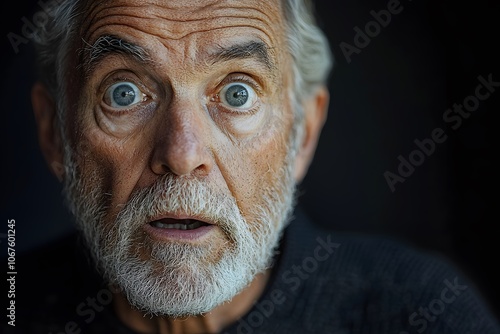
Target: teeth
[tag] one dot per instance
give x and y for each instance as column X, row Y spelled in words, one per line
column 187, row 226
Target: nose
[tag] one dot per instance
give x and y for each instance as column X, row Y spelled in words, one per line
column 181, row 143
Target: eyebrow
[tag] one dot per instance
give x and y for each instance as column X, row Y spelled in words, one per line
column 106, row 45
column 252, row 49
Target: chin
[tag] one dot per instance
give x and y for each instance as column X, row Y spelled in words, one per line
column 177, row 280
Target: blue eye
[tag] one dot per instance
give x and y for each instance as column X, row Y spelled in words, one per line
column 238, row 95
column 123, row 94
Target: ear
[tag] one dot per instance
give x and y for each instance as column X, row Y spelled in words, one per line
column 315, row 112
column 49, row 139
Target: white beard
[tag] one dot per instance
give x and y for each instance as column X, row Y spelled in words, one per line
column 180, row 279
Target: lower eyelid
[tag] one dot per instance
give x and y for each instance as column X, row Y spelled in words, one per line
column 133, row 109
column 249, row 111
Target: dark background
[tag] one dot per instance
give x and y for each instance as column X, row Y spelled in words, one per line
column 394, row 91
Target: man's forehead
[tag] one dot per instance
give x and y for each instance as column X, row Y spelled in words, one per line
column 176, row 20
column 200, row 31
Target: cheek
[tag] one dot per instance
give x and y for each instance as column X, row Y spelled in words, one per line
column 118, row 167
column 252, row 167
column 116, row 163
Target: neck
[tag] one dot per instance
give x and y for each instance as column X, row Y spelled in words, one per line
column 212, row 322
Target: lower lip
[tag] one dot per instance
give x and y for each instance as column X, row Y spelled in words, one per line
column 165, row 234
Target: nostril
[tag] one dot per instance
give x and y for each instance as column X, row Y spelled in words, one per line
column 181, row 162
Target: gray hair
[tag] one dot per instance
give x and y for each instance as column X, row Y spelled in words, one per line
column 308, row 47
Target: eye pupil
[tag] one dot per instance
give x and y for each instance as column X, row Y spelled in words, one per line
column 124, row 95
column 237, row 95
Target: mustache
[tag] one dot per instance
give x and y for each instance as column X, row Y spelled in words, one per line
column 183, row 196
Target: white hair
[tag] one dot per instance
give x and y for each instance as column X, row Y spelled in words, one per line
column 308, row 46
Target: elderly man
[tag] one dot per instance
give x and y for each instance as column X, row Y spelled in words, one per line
column 183, row 128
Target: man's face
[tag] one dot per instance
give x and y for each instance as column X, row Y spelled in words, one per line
column 180, row 139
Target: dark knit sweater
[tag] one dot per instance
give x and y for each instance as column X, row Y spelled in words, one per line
column 322, row 282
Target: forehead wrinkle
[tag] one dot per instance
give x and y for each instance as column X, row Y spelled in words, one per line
column 177, row 24
column 178, row 14
column 92, row 14
column 221, row 12
column 175, row 37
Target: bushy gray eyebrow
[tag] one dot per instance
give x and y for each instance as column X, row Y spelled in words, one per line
column 252, row 49
column 109, row 44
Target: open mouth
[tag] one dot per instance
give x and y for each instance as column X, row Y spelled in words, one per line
column 178, row 224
